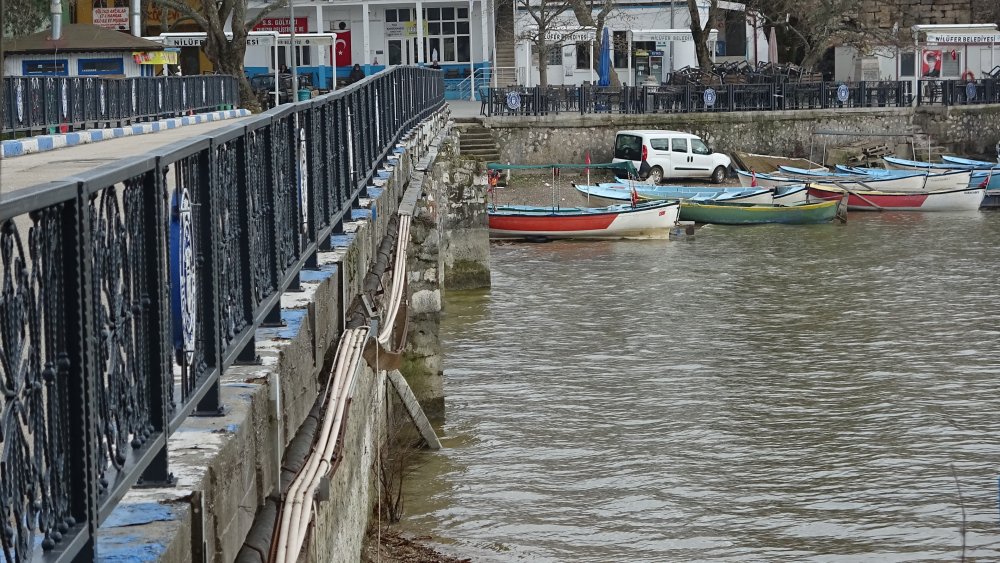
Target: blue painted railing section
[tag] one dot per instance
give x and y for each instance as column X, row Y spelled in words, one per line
column 33, row 103
column 519, row 100
column 126, row 293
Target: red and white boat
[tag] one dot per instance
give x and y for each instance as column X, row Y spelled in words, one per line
column 961, row 199
column 652, row 219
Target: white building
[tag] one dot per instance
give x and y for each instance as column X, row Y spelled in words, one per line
column 658, row 33
column 948, row 52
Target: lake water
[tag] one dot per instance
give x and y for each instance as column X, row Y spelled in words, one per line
column 772, row 393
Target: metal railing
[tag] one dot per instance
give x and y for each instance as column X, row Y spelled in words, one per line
column 519, row 100
column 125, row 293
column 33, row 103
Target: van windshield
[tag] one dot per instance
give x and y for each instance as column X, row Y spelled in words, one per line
column 628, row 147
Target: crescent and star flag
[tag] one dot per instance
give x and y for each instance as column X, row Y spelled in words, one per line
column 342, row 48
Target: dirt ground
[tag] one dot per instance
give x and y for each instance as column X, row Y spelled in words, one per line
column 392, row 547
column 525, row 188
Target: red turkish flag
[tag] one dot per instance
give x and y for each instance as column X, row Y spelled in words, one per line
column 342, row 48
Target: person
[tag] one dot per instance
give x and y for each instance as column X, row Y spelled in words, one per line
column 356, row 73
column 284, row 69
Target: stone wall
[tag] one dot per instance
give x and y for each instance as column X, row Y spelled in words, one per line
column 972, row 130
column 449, row 250
column 884, row 13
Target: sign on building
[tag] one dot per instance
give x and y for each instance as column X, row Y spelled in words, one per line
column 111, row 18
column 964, row 38
column 282, row 25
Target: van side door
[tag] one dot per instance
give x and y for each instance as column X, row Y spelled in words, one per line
column 702, row 160
column 680, row 158
column 659, row 154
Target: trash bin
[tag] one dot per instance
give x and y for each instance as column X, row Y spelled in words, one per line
column 304, row 94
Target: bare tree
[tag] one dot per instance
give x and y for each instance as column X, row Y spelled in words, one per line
column 606, row 9
column 700, row 32
column 815, row 26
column 226, row 53
column 551, row 27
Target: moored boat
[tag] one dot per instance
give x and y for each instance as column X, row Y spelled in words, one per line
column 944, row 180
column 914, row 183
column 617, row 192
column 961, row 199
column 652, row 219
column 741, row 214
column 977, row 164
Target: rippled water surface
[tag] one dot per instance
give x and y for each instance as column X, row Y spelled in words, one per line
column 770, row 393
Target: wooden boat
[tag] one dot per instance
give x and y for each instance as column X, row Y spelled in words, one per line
column 617, row 192
column 979, row 175
column 945, row 180
column 793, row 194
column 740, row 214
column 911, row 183
column 976, row 164
column 961, row 199
column 652, row 219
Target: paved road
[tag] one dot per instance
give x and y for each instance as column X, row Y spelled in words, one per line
column 23, row 171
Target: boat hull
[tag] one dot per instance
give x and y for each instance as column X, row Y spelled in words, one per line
column 620, row 192
column 730, row 214
column 968, row 199
column 646, row 220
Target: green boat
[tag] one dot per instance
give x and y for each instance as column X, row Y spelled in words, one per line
column 757, row 214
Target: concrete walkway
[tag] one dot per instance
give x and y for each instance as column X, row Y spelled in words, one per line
column 28, row 170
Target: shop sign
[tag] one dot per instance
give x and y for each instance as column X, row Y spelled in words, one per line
column 963, row 38
column 281, row 25
column 111, row 18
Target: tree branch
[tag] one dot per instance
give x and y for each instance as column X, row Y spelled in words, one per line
column 266, row 10
column 183, row 8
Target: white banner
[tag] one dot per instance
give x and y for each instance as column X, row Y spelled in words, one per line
column 111, row 18
column 964, row 38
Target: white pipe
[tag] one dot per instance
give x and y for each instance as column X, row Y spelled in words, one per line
column 297, row 508
column 56, row 11
column 399, row 273
column 136, row 18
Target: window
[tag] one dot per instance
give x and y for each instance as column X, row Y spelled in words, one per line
column 660, row 144
column 49, row 67
column 397, row 15
column 628, row 147
column 448, row 38
column 94, row 67
column 699, row 147
column 301, row 58
column 583, row 54
column 619, row 41
column 679, row 145
column 907, row 64
column 555, row 55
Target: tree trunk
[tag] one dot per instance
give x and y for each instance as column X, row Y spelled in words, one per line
column 228, row 57
column 543, row 61
column 700, row 33
column 585, row 17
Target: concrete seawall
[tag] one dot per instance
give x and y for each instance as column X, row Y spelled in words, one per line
column 567, row 137
column 230, row 469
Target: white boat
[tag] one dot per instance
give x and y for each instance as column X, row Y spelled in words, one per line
column 652, row 219
column 967, row 199
column 913, row 183
column 946, row 180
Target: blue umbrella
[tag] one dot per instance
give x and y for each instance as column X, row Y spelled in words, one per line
column 604, row 65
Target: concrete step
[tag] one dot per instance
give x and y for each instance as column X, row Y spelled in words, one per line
column 477, row 137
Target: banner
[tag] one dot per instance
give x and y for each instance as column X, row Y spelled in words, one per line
column 931, row 63
column 281, row 25
column 342, row 48
column 963, row 38
column 111, row 18
column 403, row 29
column 155, row 57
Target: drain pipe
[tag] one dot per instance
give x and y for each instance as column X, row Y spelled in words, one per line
column 136, row 19
column 56, row 10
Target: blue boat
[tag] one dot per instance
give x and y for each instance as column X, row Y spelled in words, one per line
column 617, row 192
column 935, row 180
column 977, row 164
column 853, row 172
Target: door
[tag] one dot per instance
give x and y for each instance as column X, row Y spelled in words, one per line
column 701, row 158
column 680, row 158
column 402, row 51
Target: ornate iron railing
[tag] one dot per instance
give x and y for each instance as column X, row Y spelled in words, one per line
column 519, row 100
column 125, row 293
column 33, row 103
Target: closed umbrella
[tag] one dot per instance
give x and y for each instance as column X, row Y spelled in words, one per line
column 604, row 68
column 772, row 47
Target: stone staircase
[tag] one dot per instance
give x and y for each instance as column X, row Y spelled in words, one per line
column 506, row 74
column 477, row 141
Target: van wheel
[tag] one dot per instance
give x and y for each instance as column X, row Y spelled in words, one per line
column 655, row 175
column 719, row 174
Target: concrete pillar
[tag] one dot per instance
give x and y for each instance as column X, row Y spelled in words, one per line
column 420, row 33
column 483, row 4
column 365, row 34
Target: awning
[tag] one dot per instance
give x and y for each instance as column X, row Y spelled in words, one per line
column 168, row 57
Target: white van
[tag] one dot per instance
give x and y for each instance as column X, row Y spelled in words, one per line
column 670, row 154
